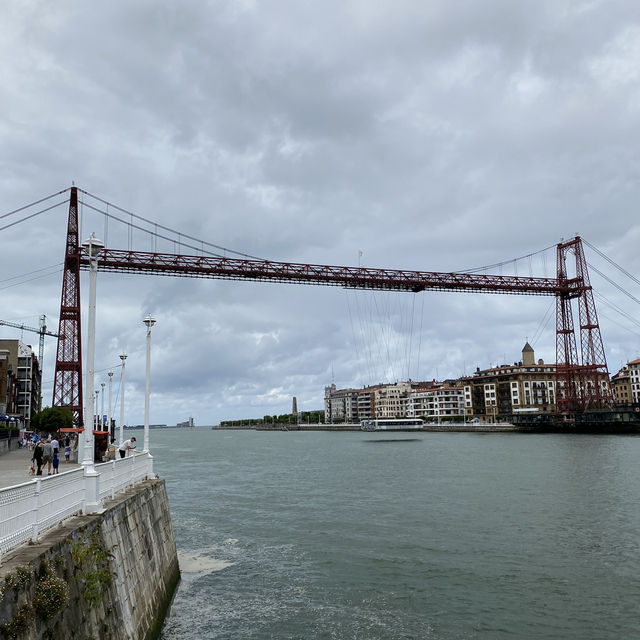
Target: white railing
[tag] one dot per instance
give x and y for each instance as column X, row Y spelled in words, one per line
column 26, row 510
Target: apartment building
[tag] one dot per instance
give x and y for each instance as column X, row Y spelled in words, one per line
column 436, row 403
column 525, row 386
column 20, row 380
column 621, row 387
column 634, row 379
column 391, row 400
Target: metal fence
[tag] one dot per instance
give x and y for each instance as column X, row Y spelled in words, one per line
column 29, row 509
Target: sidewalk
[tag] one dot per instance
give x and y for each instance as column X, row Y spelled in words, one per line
column 14, row 467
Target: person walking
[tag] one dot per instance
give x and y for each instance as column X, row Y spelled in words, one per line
column 55, row 445
column 126, row 446
column 56, row 462
column 38, row 458
column 47, row 455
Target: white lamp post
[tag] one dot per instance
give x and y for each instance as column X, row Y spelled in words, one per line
column 110, row 374
column 102, row 404
column 91, row 248
column 149, row 322
column 123, row 357
column 96, row 423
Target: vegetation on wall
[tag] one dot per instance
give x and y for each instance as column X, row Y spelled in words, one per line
column 93, row 562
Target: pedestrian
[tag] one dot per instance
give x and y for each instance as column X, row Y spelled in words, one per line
column 126, row 446
column 47, row 452
column 67, row 452
column 55, row 445
column 38, row 458
column 56, row 462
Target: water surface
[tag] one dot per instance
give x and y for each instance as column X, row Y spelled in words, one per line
column 441, row 536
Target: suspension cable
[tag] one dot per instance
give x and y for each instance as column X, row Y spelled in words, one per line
column 610, row 261
column 53, row 195
column 178, row 233
column 505, row 262
column 33, row 215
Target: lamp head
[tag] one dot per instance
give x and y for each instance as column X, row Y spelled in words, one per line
column 149, row 321
column 92, row 246
column 123, row 357
column 110, row 374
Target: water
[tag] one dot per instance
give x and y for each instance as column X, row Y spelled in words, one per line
column 439, row 536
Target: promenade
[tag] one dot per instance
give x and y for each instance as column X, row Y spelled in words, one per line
column 14, row 467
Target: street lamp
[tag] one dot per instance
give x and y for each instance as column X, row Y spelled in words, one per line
column 96, row 424
column 149, row 322
column 92, row 248
column 123, row 357
column 102, row 403
column 110, row 374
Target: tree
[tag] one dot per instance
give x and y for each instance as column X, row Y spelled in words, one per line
column 52, row 419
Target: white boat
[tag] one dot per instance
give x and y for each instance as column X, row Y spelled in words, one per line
column 392, row 424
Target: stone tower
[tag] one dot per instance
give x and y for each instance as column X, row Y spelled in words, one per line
column 528, row 355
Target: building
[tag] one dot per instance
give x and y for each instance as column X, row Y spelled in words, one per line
column 437, row 402
column 20, row 384
column 621, row 387
column 391, row 400
column 634, row 380
column 526, row 386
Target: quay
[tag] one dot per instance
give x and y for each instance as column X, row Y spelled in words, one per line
column 66, row 573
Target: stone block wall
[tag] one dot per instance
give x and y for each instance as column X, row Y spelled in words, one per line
column 109, row 576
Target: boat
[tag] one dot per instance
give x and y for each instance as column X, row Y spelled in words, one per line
column 392, row 424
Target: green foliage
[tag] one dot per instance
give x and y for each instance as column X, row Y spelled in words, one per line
column 93, row 562
column 18, row 625
column 305, row 417
column 50, row 596
column 52, row 419
column 16, row 580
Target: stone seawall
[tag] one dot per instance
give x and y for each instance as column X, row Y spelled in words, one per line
column 109, row 576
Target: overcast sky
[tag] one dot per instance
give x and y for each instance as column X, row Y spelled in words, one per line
column 436, row 135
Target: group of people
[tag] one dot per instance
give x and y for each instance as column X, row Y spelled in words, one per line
column 45, row 453
column 46, row 450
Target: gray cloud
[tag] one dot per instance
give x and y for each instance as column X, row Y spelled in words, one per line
column 437, row 136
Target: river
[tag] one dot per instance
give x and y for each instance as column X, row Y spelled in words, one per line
column 437, row 536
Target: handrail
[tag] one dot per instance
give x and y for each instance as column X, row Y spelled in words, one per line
column 30, row 508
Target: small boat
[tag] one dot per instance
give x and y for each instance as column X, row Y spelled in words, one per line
column 392, row 424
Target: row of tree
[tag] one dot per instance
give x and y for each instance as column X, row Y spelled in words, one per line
column 304, row 417
column 51, row 420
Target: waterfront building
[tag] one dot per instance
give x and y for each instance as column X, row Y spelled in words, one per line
column 350, row 405
column 621, row 387
column 20, row 380
column 526, row 386
column 391, row 400
column 634, row 379
column 436, row 403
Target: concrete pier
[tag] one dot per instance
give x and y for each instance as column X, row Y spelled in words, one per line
column 109, row 575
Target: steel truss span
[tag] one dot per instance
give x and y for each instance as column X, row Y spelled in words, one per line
column 326, row 275
column 579, row 377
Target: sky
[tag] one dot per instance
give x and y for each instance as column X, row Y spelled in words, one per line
column 433, row 135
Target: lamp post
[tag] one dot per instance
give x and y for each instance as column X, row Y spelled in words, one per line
column 102, row 404
column 110, row 374
column 92, row 248
column 96, row 424
column 149, row 322
column 123, row 357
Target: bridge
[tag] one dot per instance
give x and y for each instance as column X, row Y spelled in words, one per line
column 579, row 372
